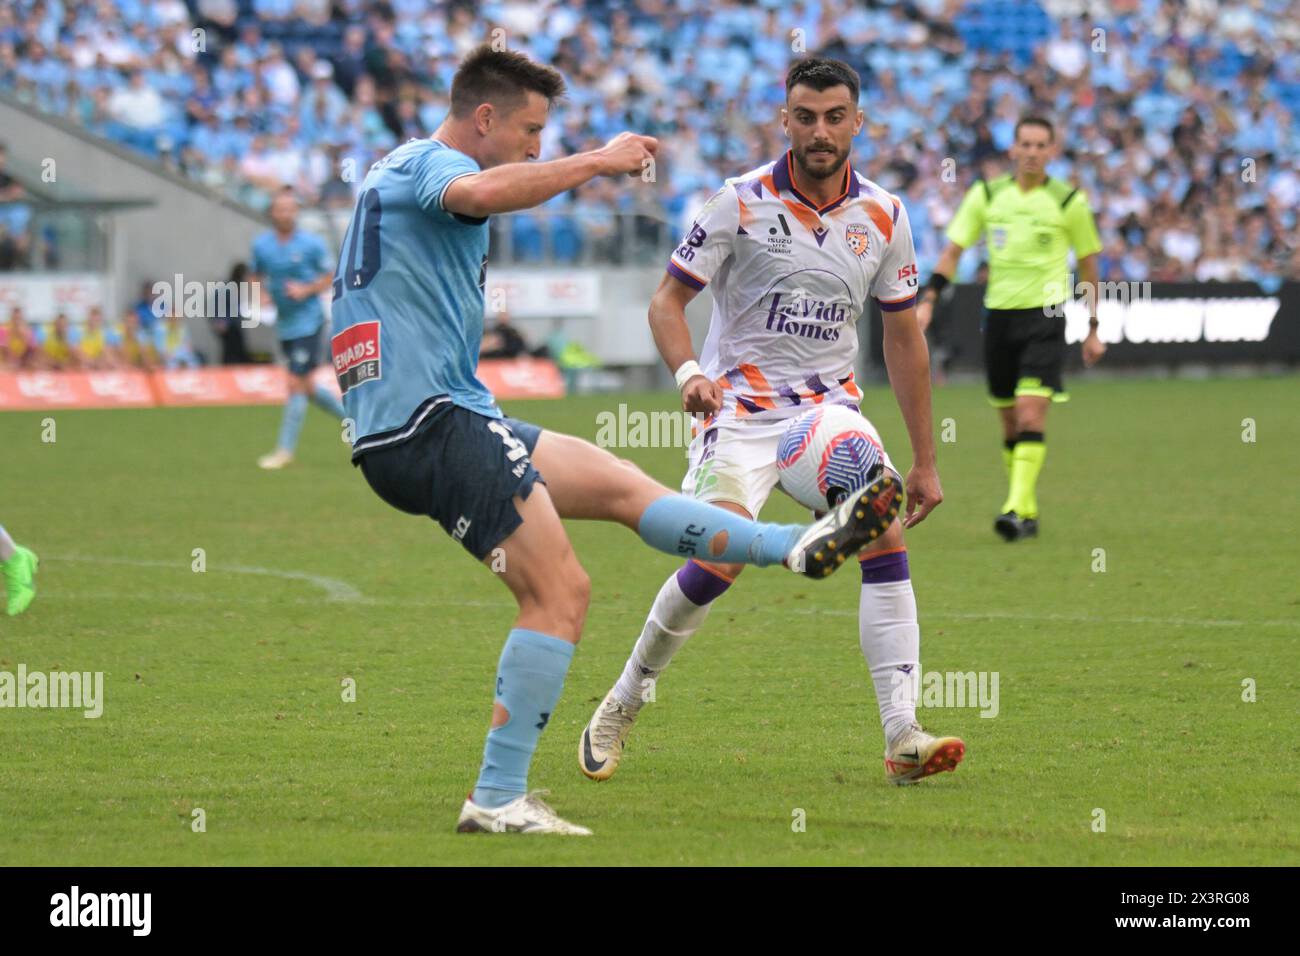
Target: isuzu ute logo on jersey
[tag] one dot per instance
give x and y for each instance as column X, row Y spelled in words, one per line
column 356, row 355
column 858, row 238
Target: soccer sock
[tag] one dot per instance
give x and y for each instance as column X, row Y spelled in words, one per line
column 680, row 525
column 678, row 612
column 1008, row 452
column 890, row 638
column 295, row 410
column 1026, row 463
column 324, row 398
column 7, row 546
column 530, row 676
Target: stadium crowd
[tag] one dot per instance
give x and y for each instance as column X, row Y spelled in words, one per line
column 1177, row 117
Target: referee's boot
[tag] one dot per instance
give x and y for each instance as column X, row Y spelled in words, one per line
column 1012, row 527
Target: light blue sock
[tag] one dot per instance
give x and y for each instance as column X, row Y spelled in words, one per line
column 530, row 677
column 680, row 525
column 323, row 397
column 295, row 410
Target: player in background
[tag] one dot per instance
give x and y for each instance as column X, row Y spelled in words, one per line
column 793, row 251
column 18, row 564
column 1031, row 222
column 408, row 323
column 295, row 265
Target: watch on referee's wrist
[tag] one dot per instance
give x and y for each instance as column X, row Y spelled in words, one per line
column 1092, row 325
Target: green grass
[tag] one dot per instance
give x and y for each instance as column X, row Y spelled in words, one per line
column 1119, row 690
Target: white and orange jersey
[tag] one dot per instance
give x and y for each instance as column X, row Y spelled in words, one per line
column 790, row 280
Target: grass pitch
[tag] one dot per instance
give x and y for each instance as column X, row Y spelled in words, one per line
column 1120, row 691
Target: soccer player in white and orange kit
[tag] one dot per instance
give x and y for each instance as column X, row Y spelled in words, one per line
column 793, row 251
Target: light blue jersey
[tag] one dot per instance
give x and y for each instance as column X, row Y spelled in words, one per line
column 408, row 297
column 300, row 258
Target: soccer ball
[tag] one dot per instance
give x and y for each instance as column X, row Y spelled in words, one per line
column 825, row 454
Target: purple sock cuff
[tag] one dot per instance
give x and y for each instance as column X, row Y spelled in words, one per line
column 700, row 585
column 884, row 568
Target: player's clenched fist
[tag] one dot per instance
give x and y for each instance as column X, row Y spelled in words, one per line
column 701, row 395
column 627, row 153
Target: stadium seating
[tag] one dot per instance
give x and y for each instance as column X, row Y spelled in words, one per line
column 920, row 63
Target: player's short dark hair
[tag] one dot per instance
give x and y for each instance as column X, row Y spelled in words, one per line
column 821, row 73
column 502, row 78
column 1042, row 121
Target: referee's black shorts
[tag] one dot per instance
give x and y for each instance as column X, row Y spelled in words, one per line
column 1024, row 353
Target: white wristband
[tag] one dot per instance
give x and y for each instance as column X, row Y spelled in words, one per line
column 689, row 369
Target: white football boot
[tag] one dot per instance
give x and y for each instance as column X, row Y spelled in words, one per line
column 916, row 755
column 601, row 745
column 275, row 460
column 526, row 814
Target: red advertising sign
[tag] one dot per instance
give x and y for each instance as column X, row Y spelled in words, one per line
column 229, row 385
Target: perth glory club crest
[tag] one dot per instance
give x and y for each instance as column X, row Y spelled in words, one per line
column 858, row 238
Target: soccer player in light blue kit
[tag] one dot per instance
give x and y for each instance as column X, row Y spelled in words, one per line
column 296, row 266
column 407, row 323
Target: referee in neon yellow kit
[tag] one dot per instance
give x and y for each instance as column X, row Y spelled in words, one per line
column 1031, row 221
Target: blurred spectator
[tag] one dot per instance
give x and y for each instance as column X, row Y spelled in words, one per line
column 59, row 345
column 502, row 340
column 20, row 350
column 172, row 344
column 14, row 218
column 229, row 329
column 139, row 110
column 146, row 318
column 138, row 350
column 101, row 345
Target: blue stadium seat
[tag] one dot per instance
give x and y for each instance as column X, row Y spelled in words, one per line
column 566, row 239
column 526, row 238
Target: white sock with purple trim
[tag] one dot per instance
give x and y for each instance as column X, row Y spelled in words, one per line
column 890, row 638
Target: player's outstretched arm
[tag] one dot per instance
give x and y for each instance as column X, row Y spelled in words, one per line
column 908, row 360
column 525, row 185
column 944, row 270
column 673, row 339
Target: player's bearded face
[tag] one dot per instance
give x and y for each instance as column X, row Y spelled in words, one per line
column 821, row 125
column 821, row 158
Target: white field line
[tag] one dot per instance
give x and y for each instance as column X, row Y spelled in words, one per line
column 335, row 590
column 1072, row 618
column 342, row 592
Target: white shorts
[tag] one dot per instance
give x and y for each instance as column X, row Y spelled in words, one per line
column 735, row 461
